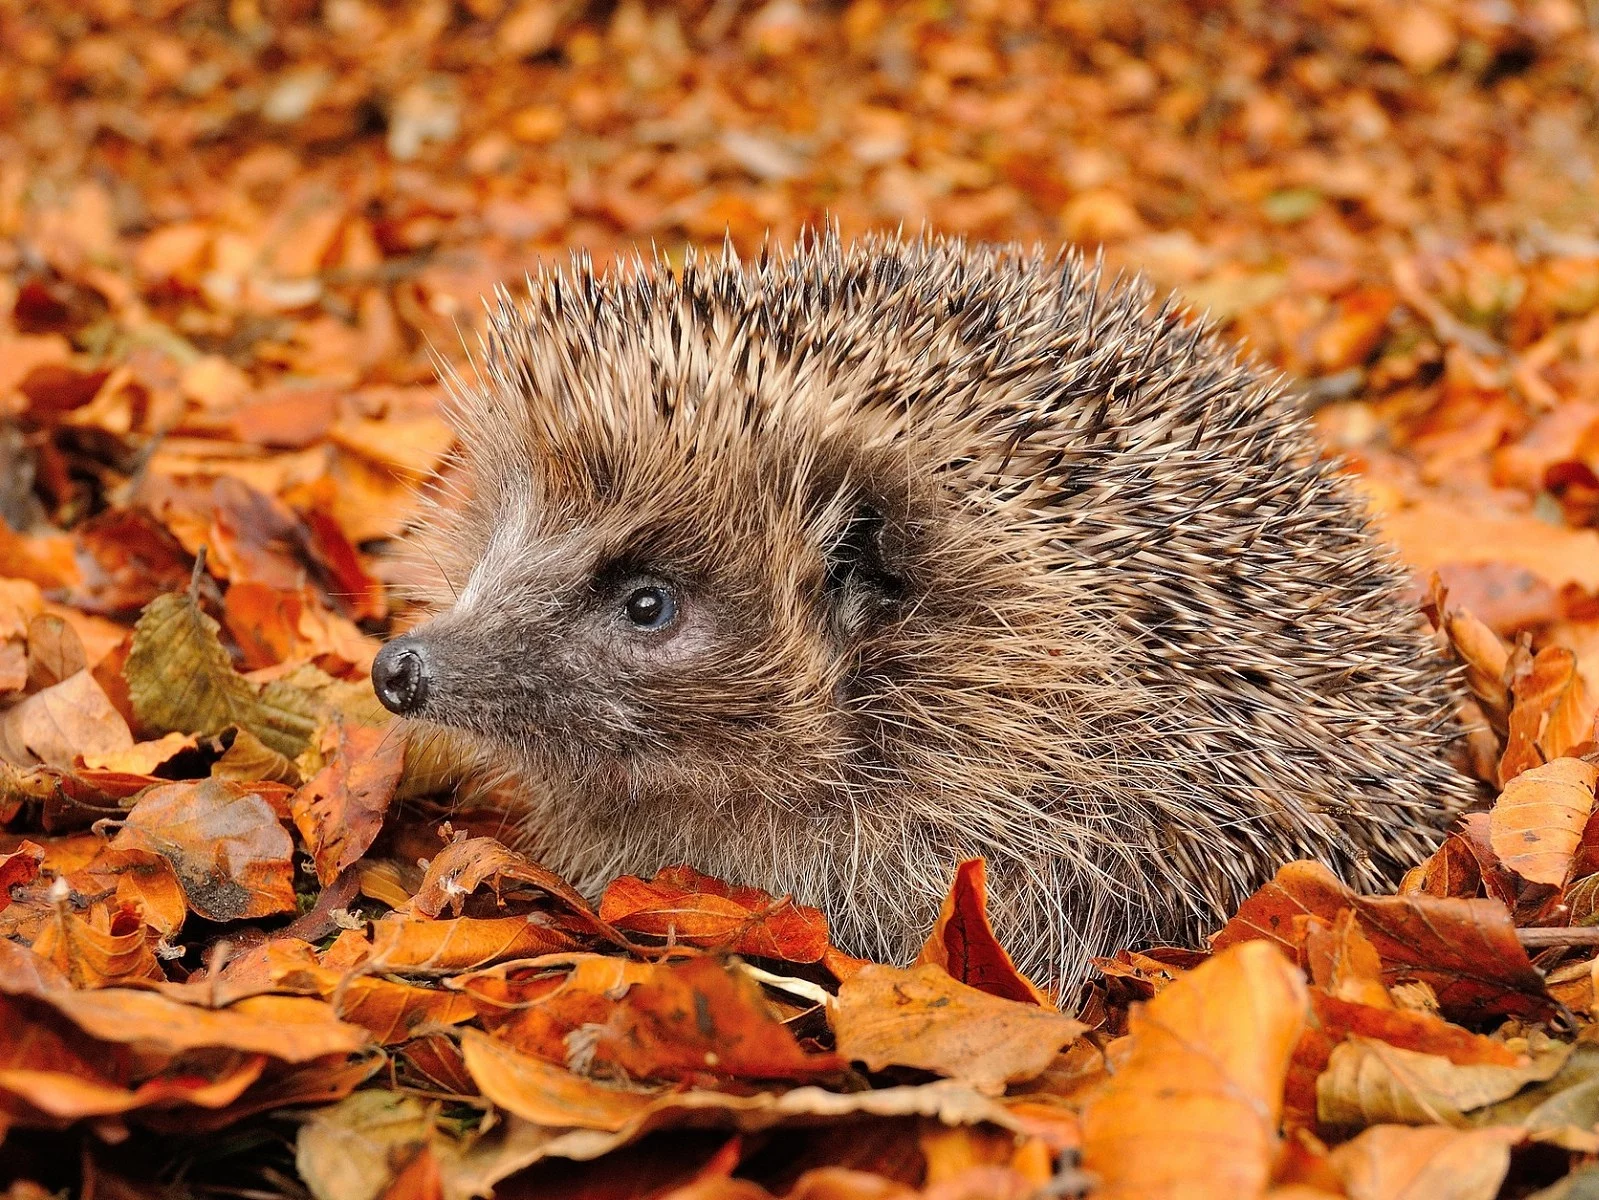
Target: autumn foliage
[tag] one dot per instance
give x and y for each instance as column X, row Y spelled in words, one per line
column 250, row 945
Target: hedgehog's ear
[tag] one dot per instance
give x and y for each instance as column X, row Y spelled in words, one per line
column 861, row 566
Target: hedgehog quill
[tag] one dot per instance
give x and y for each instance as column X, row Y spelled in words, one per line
column 825, row 572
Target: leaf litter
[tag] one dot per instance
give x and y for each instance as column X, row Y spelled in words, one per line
column 250, row 946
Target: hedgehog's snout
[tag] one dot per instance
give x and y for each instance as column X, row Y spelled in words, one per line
column 400, row 676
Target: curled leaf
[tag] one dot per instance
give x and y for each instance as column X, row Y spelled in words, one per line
column 1537, row 823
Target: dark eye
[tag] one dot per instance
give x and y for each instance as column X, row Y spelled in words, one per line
column 650, row 607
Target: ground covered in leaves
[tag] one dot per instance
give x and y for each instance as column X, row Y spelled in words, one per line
column 247, row 945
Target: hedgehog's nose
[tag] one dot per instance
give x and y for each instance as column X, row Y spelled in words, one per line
column 400, row 676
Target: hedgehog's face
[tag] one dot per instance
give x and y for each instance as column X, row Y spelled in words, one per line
column 648, row 625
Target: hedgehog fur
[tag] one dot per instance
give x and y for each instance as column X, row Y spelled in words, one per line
column 961, row 551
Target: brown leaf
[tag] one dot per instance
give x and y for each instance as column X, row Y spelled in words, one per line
column 400, row 944
column 1552, row 713
column 1299, row 889
column 697, row 1018
column 392, row 1011
column 963, row 941
column 145, row 882
column 108, row 947
column 354, row 1148
column 340, row 810
column 1465, row 950
column 466, row 865
column 289, row 1028
column 272, row 625
column 1370, row 1082
column 546, row 1094
column 232, row 856
column 141, row 758
column 1194, row 1104
column 19, row 867
column 1537, row 823
column 13, row 667
column 686, row 906
column 56, row 725
column 53, row 1075
column 1392, row 1162
column 1344, row 964
column 924, row 1018
column 55, row 652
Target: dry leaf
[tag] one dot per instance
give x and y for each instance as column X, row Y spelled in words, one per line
column 56, row 725
column 181, row 680
column 963, row 942
column 1391, row 1162
column 1368, row 1082
column 1192, row 1109
column 340, row 810
column 1536, row 825
column 685, row 906
column 1551, row 715
column 923, row 1018
column 231, row 854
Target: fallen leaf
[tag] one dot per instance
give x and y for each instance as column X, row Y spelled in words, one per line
column 546, row 1094
column 20, row 866
column 1465, row 950
column 55, row 652
column 463, row 866
column 145, row 882
column 685, row 906
column 181, row 680
column 1550, row 716
column 340, row 810
column 1536, row 824
column 1193, row 1107
column 232, row 856
column 349, row 1151
column 1368, row 1082
column 106, row 948
column 1393, row 1162
column 468, row 943
column 923, row 1018
column 963, row 941
column 290, row 1028
column 56, row 725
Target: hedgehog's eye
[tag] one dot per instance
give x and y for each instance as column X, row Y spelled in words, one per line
column 650, row 607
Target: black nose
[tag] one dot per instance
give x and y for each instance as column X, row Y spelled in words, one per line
column 400, row 676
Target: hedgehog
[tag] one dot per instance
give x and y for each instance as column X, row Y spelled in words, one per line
column 825, row 572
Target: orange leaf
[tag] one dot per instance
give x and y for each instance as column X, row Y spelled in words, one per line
column 19, row 867
column 697, row 1018
column 687, row 906
column 923, row 1018
column 289, row 1028
column 1552, row 713
column 1486, row 657
column 467, row 864
column 963, row 941
column 1537, row 822
column 399, row 944
column 1394, row 1162
column 340, row 811
column 1465, row 950
column 544, row 1093
column 1193, row 1108
column 56, row 725
column 391, row 1010
column 231, row 854
column 105, row 949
